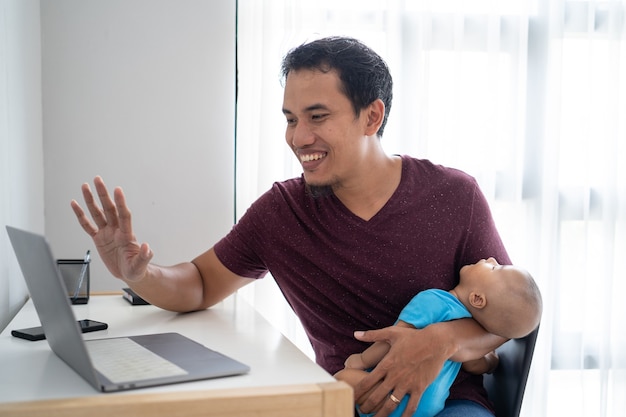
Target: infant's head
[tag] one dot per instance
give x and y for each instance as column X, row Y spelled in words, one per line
column 504, row 299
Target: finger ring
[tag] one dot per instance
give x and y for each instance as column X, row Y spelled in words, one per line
column 394, row 399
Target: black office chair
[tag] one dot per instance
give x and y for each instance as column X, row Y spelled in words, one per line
column 506, row 385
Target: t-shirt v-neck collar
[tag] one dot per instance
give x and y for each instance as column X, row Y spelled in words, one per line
column 380, row 214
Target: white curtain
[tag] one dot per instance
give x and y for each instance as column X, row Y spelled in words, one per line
column 527, row 96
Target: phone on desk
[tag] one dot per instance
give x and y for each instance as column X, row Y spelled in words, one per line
column 36, row 333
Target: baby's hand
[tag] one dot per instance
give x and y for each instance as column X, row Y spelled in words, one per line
column 355, row 361
column 485, row 365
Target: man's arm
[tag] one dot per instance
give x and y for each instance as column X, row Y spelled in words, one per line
column 415, row 359
column 184, row 287
column 189, row 286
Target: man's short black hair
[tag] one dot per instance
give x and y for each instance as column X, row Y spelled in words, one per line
column 364, row 75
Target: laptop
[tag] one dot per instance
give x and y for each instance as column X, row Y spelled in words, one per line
column 112, row 364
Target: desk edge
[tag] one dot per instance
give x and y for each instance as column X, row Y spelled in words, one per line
column 332, row 399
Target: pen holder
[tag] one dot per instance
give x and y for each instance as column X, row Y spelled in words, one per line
column 75, row 273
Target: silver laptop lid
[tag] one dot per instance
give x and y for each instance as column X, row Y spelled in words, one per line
column 47, row 289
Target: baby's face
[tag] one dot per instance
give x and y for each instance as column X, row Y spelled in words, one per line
column 481, row 273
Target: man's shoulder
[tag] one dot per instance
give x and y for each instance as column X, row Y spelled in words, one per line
column 280, row 189
column 287, row 195
column 422, row 173
column 290, row 183
column 426, row 166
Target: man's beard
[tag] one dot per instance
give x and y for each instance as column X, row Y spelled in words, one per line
column 319, row 191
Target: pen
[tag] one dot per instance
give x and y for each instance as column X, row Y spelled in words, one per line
column 83, row 270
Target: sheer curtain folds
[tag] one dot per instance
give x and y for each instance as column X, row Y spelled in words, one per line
column 527, row 96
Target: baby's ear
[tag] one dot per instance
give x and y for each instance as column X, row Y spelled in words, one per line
column 477, row 300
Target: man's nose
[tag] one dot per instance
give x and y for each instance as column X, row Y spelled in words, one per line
column 302, row 135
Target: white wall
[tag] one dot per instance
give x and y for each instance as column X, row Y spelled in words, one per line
column 21, row 152
column 141, row 92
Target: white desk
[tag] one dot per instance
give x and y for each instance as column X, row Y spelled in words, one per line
column 282, row 380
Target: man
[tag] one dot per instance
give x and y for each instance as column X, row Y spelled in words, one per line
column 349, row 243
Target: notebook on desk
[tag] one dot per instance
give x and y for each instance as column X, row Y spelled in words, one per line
column 111, row 364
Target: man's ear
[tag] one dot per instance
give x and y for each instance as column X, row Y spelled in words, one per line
column 375, row 116
column 477, row 300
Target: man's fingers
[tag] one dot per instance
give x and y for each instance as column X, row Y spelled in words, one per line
column 363, row 336
column 385, row 334
column 108, row 207
column 139, row 263
column 94, row 210
column 124, row 214
column 83, row 220
column 373, row 391
column 411, row 405
column 146, row 253
column 388, row 404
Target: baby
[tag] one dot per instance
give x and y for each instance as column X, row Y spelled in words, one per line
column 505, row 300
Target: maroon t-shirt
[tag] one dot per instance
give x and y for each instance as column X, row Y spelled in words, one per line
column 341, row 273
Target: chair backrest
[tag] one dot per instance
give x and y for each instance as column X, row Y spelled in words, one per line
column 506, row 385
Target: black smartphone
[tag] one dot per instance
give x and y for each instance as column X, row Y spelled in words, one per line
column 36, row 333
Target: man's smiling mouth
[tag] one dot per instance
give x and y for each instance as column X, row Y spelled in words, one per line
column 312, row 156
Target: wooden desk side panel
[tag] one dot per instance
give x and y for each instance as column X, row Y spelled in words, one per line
column 338, row 399
column 313, row 400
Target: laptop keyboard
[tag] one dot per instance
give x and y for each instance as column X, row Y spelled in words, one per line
column 123, row 360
